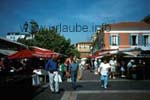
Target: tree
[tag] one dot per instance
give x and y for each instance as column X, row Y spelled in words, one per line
column 34, row 27
column 25, row 26
column 146, row 19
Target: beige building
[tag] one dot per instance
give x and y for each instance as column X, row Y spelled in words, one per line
column 84, row 48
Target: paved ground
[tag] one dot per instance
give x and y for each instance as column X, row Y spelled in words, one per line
column 89, row 89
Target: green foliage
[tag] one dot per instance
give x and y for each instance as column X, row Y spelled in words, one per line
column 146, row 19
column 34, row 27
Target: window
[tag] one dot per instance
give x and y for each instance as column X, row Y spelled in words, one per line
column 134, row 40
column 8, row 33
column 17, row 33
column 146, row 40
column 114, row 39
column 79, row 46
column 14, row 38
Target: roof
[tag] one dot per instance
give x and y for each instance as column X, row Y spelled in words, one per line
column 8, row 44
column 7, row 52
column 130, row 26
column 18, row 33
column 84, row 43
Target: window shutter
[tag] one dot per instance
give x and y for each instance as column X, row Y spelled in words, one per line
column 130, row 39
column 110, row 43
column 142, row 40
column 118, row 39
column 139, row 39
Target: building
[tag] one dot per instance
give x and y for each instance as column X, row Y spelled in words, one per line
column 14, row 36
column 122, row 36
column 84, row 48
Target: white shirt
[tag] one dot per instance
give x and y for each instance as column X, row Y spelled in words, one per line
column 95, row 63
column 112, row 63
column 103, row 68
column 83, row 62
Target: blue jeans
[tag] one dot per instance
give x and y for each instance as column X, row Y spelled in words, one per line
column 74, row 79
column 104, row 80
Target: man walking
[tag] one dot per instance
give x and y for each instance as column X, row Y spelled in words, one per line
column 74, row 69
column 52, row 66
column 104, row 69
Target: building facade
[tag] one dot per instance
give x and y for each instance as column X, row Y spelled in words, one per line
column 14, row 36
column 84, row 48
column 123, row 36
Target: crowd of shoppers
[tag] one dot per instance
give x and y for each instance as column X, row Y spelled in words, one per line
column 72, row 69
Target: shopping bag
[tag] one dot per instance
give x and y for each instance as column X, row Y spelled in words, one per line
column 79, row 77
column 59, row 78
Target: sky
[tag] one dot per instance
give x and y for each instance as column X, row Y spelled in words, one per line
column 77, row 20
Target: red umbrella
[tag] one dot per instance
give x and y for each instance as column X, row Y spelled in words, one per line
column 21, row 54
column 45, row 53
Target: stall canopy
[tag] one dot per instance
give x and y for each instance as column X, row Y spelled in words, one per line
column 21, row 54
column 103, row 52
column 92, row 56
column 44, row 53
column 34, row 52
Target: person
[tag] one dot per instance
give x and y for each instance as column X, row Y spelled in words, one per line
column 122, row 69
column 134, row 71
column 104, row 69
column 141, row 70
column 18, row 66
column 74, row 70
column 96, row 66
column 67, row 63
column 81, row 68
column 1, row 64
column 52, row 67
column 63, row 69
column 91, row 64
column 129, row 68
column 112, row 63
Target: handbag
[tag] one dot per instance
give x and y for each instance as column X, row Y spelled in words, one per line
column 68, row 74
